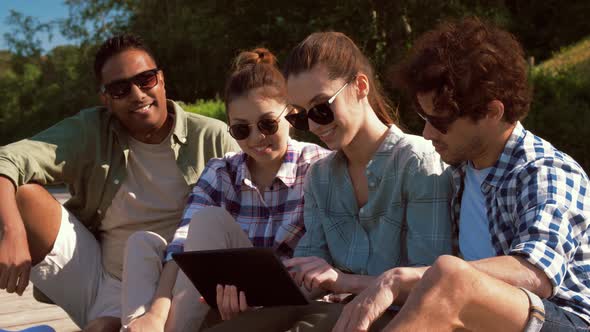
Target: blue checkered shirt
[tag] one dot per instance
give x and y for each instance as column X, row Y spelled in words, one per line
column 539, row 208
column 272, row 218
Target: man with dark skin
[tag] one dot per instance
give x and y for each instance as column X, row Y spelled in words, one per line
column 521, row 206
column 129, row 166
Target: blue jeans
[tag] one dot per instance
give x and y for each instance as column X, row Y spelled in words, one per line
column 559, row 320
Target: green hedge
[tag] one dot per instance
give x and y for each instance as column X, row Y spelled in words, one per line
column 212, row 108
column 560, row 112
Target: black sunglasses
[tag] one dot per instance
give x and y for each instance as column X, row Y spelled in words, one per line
column 320, row 113
column 267, row 127
column 121, row 88
column 439, row 123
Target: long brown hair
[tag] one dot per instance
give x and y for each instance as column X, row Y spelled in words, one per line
column 344, row 60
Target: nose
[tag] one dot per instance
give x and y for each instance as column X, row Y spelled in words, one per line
column 136, row 93
column 256, row 134
column 313, row 126
column 429, row 132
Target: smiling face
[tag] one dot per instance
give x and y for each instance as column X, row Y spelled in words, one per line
column 313, row 87
column 251, row 108
column 142, row 112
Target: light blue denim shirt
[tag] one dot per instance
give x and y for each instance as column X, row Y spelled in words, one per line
column 405, row 222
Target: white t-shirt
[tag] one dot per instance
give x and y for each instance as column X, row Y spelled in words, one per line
column 151, row 198
column 475, row 240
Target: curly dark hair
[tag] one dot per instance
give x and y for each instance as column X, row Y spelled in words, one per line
column 116, row 45
column 468, row 63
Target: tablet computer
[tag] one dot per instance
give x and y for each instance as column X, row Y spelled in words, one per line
column 256, row 271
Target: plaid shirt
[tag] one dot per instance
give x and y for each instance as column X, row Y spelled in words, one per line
column 406, row 220
column 539, row 208
column 273, row 218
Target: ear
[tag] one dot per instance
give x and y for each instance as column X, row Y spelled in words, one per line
column 495, row 110
column 362, row 84
column 161, row 77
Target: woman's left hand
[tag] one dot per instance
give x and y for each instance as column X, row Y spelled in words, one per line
column 229, row 302
column 314, row 272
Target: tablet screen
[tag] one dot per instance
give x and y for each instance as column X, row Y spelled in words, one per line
column 256, row 271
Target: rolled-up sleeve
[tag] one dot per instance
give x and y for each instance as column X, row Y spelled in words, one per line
column 50, row 157
column 548, row 221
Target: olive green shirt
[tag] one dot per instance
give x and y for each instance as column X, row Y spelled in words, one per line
column 89, row 152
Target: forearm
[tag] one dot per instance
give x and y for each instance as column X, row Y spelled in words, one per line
column 517, row 272
column 10, row 219
column 356, row 283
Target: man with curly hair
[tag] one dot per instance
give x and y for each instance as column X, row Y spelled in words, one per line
column 521, row 207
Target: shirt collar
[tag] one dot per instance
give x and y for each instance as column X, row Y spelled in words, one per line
column 504, row 163
column 507, row 158
column 180, row 124
column 394, row 136
column 287, row 172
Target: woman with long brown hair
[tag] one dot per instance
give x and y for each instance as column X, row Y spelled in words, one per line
column 379, row 201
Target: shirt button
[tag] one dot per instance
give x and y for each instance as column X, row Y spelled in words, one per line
column 116, row 181
column 99, row 212
column 371, row 184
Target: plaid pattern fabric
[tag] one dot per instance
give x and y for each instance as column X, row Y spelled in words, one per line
column 405, row 222
column 273, row 218
column 538, row 205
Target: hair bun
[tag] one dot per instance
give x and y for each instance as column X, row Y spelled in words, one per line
column 253, row 57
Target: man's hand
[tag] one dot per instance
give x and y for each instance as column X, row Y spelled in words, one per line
column 15, row 261
column 392, row 285
column 146, row 323
column 229, row 303
column 314, row 272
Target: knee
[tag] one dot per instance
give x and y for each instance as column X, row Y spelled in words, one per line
column 209, row 219
column 145, row 242
column 447, row 271
column 29, row 193
column 103, row 324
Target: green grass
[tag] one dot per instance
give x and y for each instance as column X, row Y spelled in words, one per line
column 575, row 57
column 214, row 108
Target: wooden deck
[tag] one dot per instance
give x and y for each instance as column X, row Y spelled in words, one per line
column 19, row 312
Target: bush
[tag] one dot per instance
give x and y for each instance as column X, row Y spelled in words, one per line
column 560, row 112
column 214, row 108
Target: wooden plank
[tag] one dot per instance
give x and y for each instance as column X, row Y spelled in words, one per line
column 19, row 312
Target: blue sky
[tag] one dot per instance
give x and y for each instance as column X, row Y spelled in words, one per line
column 44, row 10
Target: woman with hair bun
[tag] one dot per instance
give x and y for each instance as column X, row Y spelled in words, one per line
column 380, row 200
column 250, row 198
